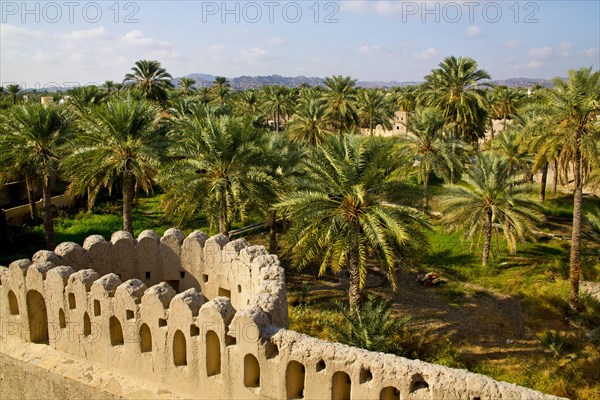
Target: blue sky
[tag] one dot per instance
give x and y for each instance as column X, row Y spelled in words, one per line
column 80, row 42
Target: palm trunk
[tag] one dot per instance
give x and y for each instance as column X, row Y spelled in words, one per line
column 272, row 232
column 127, row 202
column 426, row 191
column 488, row 239
column 223, row 223
column 31, row 199
column 555, row 182
column 543, row 183
column 354, row 291
column 48, row 220
column 371, row 126
column 92, row 193
column 277, row 120
column 575, row 261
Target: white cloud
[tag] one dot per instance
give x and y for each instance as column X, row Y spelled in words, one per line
column 380, row 7
column 277, row 41
column 531, row 65
column 591, row 52
column 33, row 57
column 427, row 54
column 540, row 53
column 393, row 7
column 565, row 45
column 368, row 49
column 253, row 54
column 473, row 31
column 511, row 44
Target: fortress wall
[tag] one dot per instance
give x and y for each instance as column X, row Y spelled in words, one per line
column 225, row 339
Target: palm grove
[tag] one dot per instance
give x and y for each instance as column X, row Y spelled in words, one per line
column 308, row 156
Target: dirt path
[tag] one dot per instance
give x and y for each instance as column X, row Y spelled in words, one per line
column 479, row 322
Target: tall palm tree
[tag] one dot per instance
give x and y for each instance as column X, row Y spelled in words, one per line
column 535, row 151
column 187, row 85
column 504, row 102
column 110, row 86
column 283, row 162
column 349, row 213
column 29, row 144
column 277, row 102
column 13, row 90
column 483, row 201
column 221, row 81
column 340, row 94
column 310, row 124
column 573, row 108
column 455, row 88
column 203, row 95
column 374, row 109
column 85, row 97
column 406, row 97
column 118, row 142
column 151, row 78
column 431, row 148
column 248, row 101
column 509, row 146
column 217, row 167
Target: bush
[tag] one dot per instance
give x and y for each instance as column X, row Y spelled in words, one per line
column 371, row 326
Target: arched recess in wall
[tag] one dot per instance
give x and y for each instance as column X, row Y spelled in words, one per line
column 251, row 371
column 87, row 324
column 145, row 339
column 38, row 317
column 389, row 393
column 13, row 304
column 340, row 386
column 116, row 331
column 62, row 321
column 179, row 349
column 213, row 354
column 294, row 380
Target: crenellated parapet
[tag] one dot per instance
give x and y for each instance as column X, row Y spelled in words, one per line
column 204, row 317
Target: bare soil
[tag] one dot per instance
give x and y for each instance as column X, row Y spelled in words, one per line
column 481, row 323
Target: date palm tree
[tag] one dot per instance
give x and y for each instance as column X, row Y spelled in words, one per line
column 217, row 168
column 483, row 201
column 151, row 79
column 373, row 109
column 120, row 142
column 85, row 97
column 340, row 94
column 186, row 85
column 283, row 162
column 277, row 101
column 406, row 97
column 455, row 88
column 310, row 124
column 110, row 86
column 430, row 147
column 350, row 212
column 249, row 102
column 504, row 102
column 372, row 326
column 13, row 90
column 29, row 144
column 573, row 110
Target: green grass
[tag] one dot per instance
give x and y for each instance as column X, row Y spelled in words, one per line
column 103, row 220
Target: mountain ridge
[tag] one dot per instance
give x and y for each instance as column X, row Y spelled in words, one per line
column 247, row 82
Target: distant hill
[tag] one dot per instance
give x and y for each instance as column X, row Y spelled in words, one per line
column 248, row 82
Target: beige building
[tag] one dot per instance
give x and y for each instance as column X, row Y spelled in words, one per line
column 398, row 122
